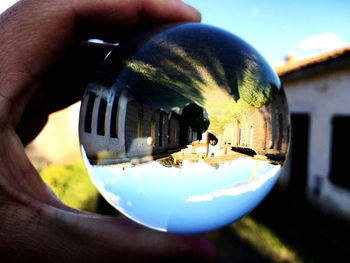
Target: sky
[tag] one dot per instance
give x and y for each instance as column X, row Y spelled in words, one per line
column 277, row 28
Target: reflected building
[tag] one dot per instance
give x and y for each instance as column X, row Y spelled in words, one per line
column 203, row 151
column 317, row 89
column 120, row 129
column 260, row 131
column 159, row 104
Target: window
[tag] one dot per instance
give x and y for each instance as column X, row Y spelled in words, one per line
column 88, row 113
column 251, row 136
column 280, row 132
column 169, row 129
column 153, row 130
column 340, row 143
column 140, row 119
column 114, row 119
column 299, row 155
column 101, row 117
column 160, row 129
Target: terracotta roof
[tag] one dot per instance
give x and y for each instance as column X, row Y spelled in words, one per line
column 293, row 65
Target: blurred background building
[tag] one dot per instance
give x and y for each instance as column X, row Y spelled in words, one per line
column 318, row 92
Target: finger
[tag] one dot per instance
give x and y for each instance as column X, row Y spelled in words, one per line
column 111, row 239
column 142, row 244
column 53, row 26
column 36, row 34
column 63, row 85
column 39, row 229
column 131, row 15
column 129, row 12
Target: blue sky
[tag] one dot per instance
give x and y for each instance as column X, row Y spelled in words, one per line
column 276, row 28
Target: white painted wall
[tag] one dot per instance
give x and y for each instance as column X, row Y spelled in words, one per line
column 322, row 97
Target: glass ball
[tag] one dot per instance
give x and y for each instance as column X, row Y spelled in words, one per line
column 185, row 128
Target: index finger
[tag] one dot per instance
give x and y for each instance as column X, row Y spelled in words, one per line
column 35, row 34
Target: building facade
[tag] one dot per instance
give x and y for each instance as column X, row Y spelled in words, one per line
column 318, row 92
column 261, row 131
column 117, row 128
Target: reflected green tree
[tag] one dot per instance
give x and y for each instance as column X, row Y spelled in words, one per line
column 175, row 71
column 169, row 162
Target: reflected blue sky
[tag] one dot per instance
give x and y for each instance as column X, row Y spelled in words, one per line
column 194, row 198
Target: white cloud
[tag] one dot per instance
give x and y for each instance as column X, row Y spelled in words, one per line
column 239, row 188
column 325, row 41
column 4, row 4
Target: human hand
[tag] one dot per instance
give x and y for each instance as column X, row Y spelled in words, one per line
column 43, row 69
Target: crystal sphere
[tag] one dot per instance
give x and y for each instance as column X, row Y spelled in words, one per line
column 184, row 128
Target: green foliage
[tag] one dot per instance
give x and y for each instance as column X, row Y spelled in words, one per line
column 265, row 241
column 169, row 162
column 253, row 89
column 259, row 238
column 71, row 183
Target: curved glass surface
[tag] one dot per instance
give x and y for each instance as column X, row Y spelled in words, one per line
column 184, row 129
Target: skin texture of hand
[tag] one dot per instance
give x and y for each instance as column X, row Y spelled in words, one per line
column 41, row 62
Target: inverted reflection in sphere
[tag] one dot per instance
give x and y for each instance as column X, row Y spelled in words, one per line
column 185, row 128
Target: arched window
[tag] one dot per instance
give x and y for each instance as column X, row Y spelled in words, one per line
column 280, row 132
column 114, row 118
column 251, row 131
column 140, row 121
column 153, row 130
column 101, row 117
column 88, row 113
